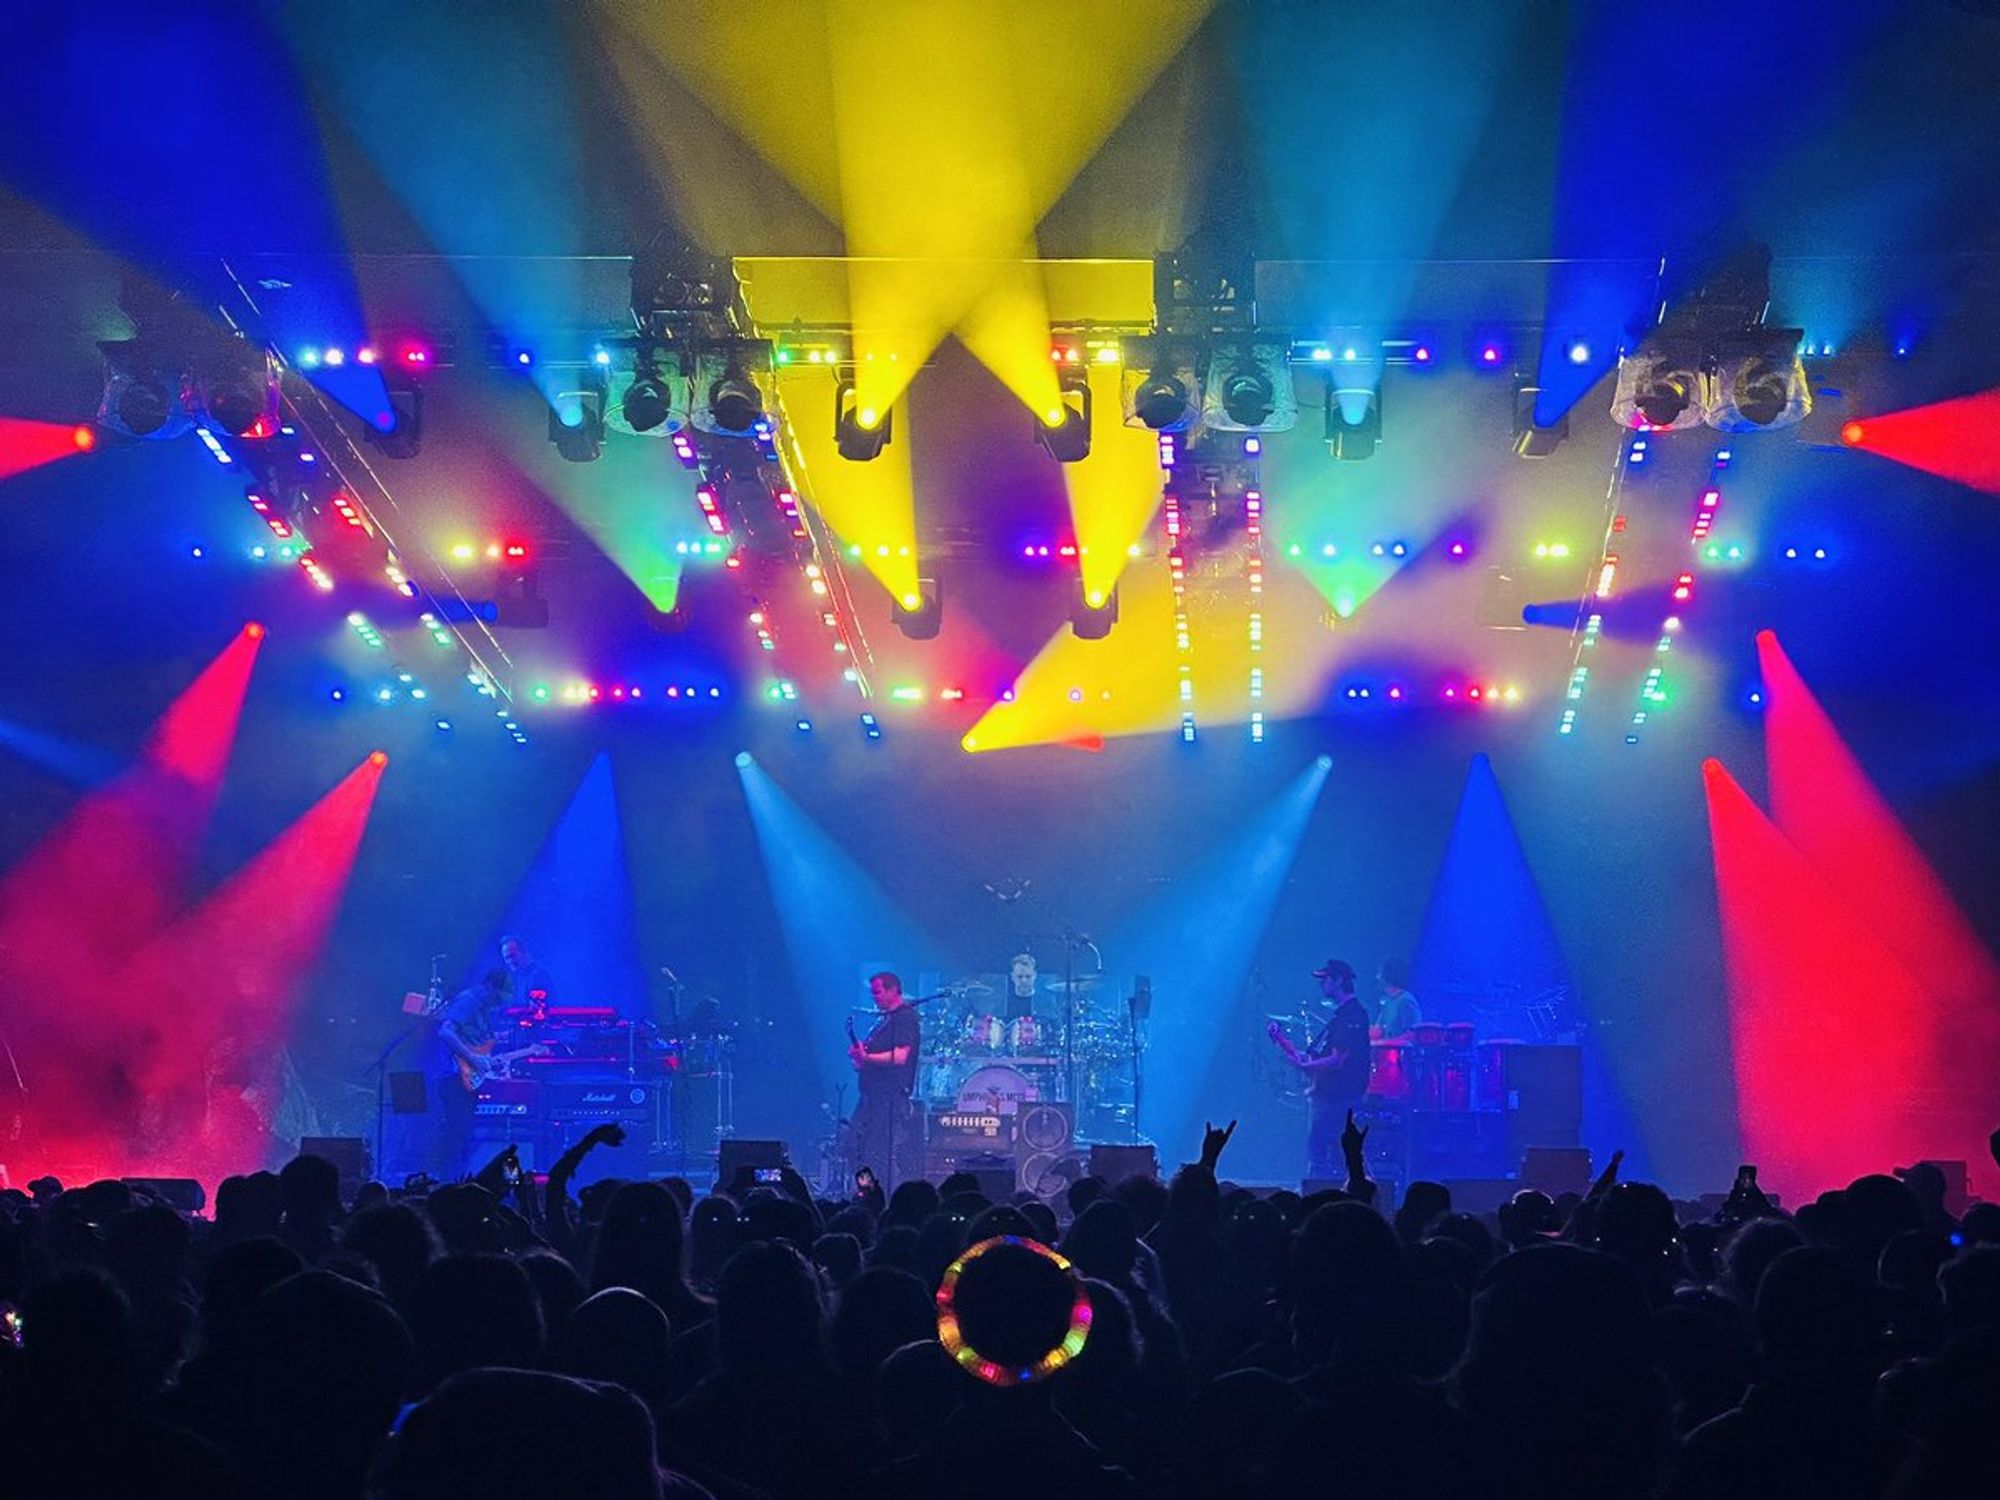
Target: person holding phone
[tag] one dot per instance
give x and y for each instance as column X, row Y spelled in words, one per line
column 885, row 1066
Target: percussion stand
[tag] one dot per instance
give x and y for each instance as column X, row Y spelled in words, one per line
column 1071, row 940
column 1138, row 1007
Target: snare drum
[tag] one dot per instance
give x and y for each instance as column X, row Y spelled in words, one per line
column 982, row 1034
column 1027, row 1036
column 996, row 1090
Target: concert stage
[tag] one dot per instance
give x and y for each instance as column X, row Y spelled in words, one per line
column 1527, row 557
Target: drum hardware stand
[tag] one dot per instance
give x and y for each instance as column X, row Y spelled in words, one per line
column 380, row 1068
column 1138, row 1007
column 1071, row 940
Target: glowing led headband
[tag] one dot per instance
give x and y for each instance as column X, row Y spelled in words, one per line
column 976, row 1364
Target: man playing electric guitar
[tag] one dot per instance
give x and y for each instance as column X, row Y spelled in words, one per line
column 883, row 1134
column 467, row 1028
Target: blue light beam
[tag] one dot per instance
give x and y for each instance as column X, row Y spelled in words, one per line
column 1198, row 941
column 838, row 920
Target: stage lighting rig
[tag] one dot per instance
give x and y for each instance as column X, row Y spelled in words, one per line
column 237, row 385
column 145, row 394
column 1208, row 286
column 1662, row 385
column 729, row 402
column 1162, row 384
column 859, row 432
column 1760, row 382
column 1249, row 387
column 1713, row 359
column 681, row 291
column 1067, row 439
column 1091, row 615
column 1357, row 438
column 1531, row 439
column 920, row 616
column 576, row 423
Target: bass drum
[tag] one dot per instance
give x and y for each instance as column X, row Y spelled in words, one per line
column 997, row 1090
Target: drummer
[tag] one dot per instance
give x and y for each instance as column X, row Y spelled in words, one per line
column 1398, row 1013
column 1022, row 984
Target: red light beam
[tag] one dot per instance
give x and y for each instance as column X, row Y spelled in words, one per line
column 1832, row 814
column 206, row 1004
column 26, row 445
column 1835, row 1051
column 1957, row 439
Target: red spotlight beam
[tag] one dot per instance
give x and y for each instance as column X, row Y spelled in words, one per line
column 1835, row 1044
column 84, row 898
column 26, row 445
column 211, row 995
column 1957, row 439
column 1829, row 810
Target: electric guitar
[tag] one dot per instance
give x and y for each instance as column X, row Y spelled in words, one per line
column 493, row 1064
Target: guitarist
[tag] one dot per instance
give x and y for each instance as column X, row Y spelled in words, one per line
column 1336, row 1065
column 467, row 1028
column 885, row 1065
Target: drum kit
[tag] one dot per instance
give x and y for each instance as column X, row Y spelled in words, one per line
column 977, row 1058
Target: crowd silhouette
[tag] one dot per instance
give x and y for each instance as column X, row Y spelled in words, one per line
column 497, row 1338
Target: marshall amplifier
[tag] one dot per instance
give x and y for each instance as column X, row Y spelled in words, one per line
column 630, row 1100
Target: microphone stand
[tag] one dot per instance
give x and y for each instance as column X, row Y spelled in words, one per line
column 1071, row 940
column 380, row 1068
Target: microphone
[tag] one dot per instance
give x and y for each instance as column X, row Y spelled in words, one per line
column 671, row 976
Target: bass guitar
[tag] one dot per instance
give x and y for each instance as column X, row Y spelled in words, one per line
column 493, row 1064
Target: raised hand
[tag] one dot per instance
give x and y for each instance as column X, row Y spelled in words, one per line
column 611, row 1133
column 1212, row 1142
column 1353, row 1137
column 1608, row 1176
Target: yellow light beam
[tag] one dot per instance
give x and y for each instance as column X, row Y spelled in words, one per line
column 1115, row 492
column 870, row 505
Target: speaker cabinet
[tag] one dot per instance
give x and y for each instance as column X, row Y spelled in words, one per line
column 1116, row 1163
column 349, row 1155
column 1556, row 1170
column 1045, row 1127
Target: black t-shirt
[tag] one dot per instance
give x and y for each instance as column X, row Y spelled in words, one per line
column 897, row 1028
column 1346, row 1033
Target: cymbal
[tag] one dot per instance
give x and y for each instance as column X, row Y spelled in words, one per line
column 1081, row 983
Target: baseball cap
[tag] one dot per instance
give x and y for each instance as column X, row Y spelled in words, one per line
column 1337, row 968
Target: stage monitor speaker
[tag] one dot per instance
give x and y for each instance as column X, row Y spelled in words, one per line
column 349, row 1155
column 1479, row 1195
column 734, row 1156
column 183, row 1194
column 1543, row 1087
column 1116, row 1163
column 1457, row 1143
column 994, row 1173
column 409, row 1093
column 1556, row 1170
